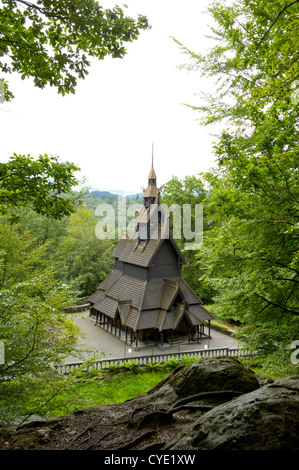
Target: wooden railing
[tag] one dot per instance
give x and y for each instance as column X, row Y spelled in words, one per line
column 155, row 358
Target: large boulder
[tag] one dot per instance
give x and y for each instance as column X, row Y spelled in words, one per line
column 265, row 419
column 205, row 375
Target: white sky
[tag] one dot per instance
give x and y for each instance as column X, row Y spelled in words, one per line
column 108, row 126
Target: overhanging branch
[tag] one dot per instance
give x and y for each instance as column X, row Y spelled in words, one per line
column 270, row 27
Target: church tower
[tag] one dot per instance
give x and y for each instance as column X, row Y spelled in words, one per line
column 151, row 194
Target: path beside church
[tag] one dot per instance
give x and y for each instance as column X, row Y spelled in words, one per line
column 98, row 340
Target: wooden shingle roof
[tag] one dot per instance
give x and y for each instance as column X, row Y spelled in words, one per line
column 151, row 191
column 120, row 247
column 200, row 312
column 110, row 280
column 124, row 310
column 96, row 296
column 142, row 254
column 148, row 319
column 128, row 289
column 152, row 295
column 134, row 253
column 107, row 305
column 130, row 250
column 132, row 318
column 148, row 304
column 169, row 291
column 152, row 174
column 190, row 296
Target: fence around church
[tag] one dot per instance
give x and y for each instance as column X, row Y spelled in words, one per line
column 156, row 358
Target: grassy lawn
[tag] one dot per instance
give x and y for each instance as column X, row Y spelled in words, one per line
column 102, row 388
column 120, row 386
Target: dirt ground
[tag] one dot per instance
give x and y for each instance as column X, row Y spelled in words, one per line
column 126, row 426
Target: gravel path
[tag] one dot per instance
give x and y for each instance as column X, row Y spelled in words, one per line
column 97, row 340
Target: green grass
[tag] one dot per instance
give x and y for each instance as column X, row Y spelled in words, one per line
column 120, row 386
column 220, row 325
column 103, row 388
column 115, row 384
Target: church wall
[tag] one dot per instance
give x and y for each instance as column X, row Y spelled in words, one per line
column 138, row 272
column 165, row 263
column 118, row 265
column 166, row 255
column 162, row 271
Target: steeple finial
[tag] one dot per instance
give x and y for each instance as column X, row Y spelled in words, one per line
column 152, row 174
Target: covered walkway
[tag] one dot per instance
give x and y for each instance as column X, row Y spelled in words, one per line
column 96, row 340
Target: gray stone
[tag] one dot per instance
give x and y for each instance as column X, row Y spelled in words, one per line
column 219, row 373
column 205, row 375
column 265, row 419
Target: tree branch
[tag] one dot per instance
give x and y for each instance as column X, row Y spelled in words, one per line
column 286, row 279
column 284, row 266
column 279, row 306
column 28, row 352
column 270, row 27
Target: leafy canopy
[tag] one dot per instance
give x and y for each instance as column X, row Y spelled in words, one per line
column 81, row 255
column 44, row 184
column 250, row 254
column 51, row 41
column 33, row 325
column 254, row 63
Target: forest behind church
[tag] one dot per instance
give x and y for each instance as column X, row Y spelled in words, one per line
column 247, row 270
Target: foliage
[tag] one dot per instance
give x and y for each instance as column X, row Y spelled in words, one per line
column 44, row 184
column 250, row 255
column 51, row 41
column 131, row 365
column 43, row 229
column 81, row 254
column 254, row 60
column 32, row 323
column 190, row 191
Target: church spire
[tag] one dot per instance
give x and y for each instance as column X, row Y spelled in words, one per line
column 150, row 195
column 152, row 177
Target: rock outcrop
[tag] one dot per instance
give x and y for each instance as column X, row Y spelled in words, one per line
column 265, row 419
column 215, row 403
column 210, row 374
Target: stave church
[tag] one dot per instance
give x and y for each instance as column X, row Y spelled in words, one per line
column 145, row 297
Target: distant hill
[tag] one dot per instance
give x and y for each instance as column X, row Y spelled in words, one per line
column 109, row 195
column 103, row 195
column 135, row 195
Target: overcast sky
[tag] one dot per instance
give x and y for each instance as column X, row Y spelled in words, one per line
column 123, row 106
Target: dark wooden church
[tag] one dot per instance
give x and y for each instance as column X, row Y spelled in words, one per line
column 144, row 297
